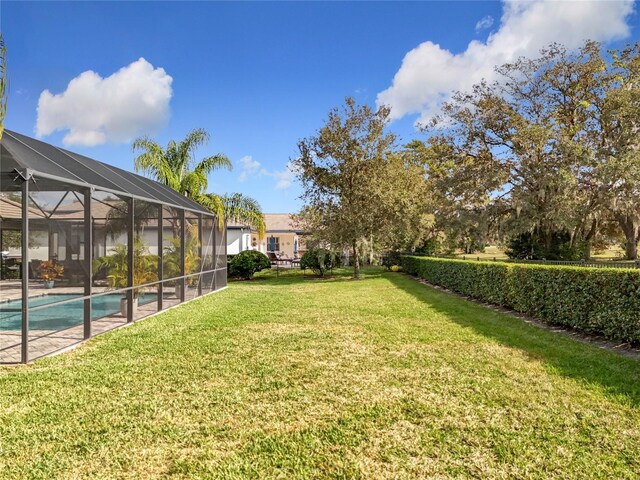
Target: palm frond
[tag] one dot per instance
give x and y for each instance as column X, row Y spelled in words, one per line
column 214, row 204
column 152, row 160
column 240, row 208
column 215, row 162
column 194, row 183
column 187, row 147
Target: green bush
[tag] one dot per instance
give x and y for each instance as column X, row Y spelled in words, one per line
column 245, row 264
column 390, row 259
column 319, row 260
column 431, row 246
column 603, row 301
column 530, row 246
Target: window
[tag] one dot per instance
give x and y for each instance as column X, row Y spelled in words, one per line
column 273, row 244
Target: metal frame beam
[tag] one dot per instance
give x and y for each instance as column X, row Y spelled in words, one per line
column 183, row 280
column 130, row 258
column 24, row 353
column 214, row 235
column 200, row 238
column 160, row 240
column 88, row 261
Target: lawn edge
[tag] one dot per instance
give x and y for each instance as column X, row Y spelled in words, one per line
column 623, row 349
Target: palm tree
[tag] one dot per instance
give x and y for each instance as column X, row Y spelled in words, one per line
column 243, row 209
column 175, row 167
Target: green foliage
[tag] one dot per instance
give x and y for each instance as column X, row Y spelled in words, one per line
column 529, row 245
column 358, row 192
column 430, row 246
column 245, row 264
column 13, row 239
column 145, row 266
column 390, row 259
column 602, row 301
column 171, row 256
column 551, row 146
column 243, row 209
column 319, row 260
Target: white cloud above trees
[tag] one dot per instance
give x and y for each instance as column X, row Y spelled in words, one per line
column 284, row 178
column 248, row 167
column 93, row 110
column 429, row 73
column 252, row 168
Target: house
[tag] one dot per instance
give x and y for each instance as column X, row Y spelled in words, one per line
column 283, row 234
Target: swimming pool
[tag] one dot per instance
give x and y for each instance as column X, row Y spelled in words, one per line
column 63, row 315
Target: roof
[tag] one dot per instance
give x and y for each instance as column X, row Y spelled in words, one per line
column 280, row 222
column 51, row 162
column 12, row 209
column 274, row 222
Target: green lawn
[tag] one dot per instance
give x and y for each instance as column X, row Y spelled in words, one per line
column 300, row 378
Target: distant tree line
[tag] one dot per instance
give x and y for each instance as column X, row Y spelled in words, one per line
column 545, row 160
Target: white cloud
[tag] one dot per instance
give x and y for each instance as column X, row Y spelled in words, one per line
column 284, row 178
column 249, row 166
column 429, row 73
column 484, row 23
column 94, row 110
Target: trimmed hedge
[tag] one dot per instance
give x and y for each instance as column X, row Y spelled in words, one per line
column 603, row 301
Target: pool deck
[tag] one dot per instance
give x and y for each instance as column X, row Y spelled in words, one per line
column 47, row 342
column 12, row 290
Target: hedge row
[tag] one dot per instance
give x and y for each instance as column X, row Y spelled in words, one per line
column 604, row 301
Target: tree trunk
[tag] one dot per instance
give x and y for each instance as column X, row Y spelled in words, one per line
column 356, row 261
column 588, row 238
column 631, row 230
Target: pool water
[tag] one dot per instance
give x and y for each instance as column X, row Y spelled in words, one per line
column 63, row 315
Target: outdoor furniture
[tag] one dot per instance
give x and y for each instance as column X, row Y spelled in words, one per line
column 284, row 259
column 273, row 258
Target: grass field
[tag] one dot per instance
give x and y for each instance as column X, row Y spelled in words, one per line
column 492, row 252
column 302, row 378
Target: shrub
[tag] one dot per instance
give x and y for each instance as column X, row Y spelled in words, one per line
column 245, row 264
column 390, row 259
column 529, row 245
column 395, row 268
column 431, row 246
column 603, row 301
column 319, row 260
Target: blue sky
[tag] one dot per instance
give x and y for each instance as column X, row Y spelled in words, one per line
column 260, row 76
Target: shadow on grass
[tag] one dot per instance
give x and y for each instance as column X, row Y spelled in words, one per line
column 619, row 376
column 290, row 276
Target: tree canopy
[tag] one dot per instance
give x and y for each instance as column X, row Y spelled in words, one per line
column 545, row 160
column 357, row 190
